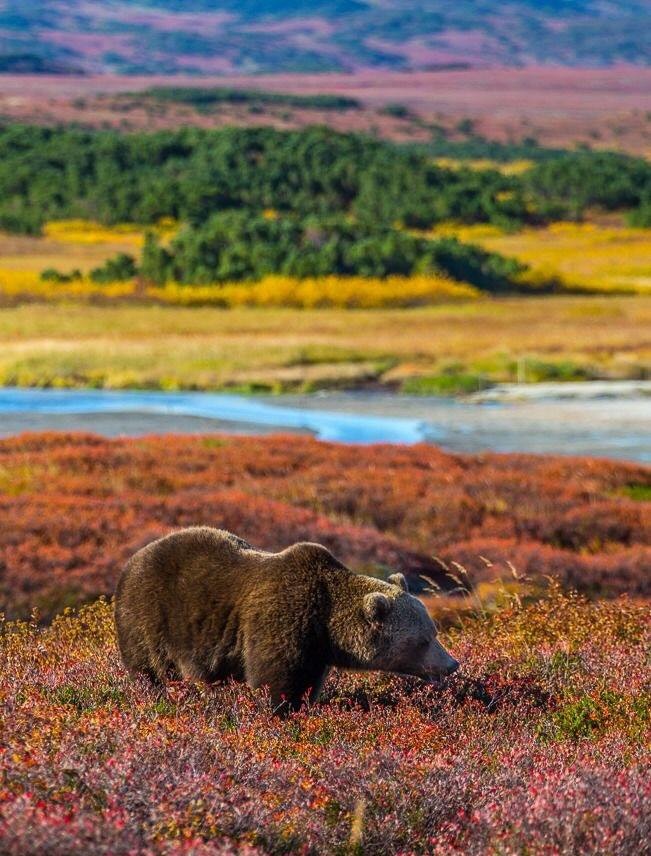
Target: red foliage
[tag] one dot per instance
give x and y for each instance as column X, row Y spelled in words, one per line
column 73, row 507
column 551, row 757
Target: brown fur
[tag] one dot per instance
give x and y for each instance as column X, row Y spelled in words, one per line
column 202, row 604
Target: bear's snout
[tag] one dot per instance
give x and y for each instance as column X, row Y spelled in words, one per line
column 452, row 668
column 440, row 662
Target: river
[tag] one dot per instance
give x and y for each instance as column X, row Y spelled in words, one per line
column 611, row 419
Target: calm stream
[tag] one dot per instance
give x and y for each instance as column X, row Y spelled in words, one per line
column 608, row 419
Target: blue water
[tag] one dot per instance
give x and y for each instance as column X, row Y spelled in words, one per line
column 341, row 427
column 612, row 426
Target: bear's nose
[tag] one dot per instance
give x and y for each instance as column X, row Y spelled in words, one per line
column 454, row 665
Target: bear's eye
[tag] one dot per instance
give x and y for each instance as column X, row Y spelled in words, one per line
column 424, row 643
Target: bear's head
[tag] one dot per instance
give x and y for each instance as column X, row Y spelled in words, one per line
column 400, row 635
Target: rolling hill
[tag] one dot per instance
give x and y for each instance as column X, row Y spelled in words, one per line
column 256, row 36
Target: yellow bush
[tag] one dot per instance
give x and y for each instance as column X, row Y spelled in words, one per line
column 274, row 291
column 87, row 232
column 29, row 284
column 515, row 167
column 330, row 291
column 572, row 229
column 472, row 234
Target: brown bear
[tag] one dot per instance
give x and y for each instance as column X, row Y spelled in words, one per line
column 202, row 604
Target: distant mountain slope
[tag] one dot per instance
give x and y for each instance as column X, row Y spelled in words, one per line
column 213, row 36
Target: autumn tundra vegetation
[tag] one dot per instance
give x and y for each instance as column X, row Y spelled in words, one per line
column 179, row 260
column 549, row 757
column 414, row 509
column 539, row 744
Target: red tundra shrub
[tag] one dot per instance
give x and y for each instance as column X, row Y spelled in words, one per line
column 623, row 570
column 539, row 746
column 74, row 506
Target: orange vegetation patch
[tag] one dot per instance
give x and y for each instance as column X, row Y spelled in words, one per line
column 74, row 507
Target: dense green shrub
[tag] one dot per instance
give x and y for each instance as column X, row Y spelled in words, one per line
column 54, row 275
column 236, row 245
column 190, row 174
column 641, row 217
column 565, row 187
column 116, row 269
column 396, row 111
column 470, row 263
column 477, row 147
column 203, row 97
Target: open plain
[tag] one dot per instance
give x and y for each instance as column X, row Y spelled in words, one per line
column 559, row 107
column 169, row 347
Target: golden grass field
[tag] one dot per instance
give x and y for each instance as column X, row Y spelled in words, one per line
column 590, row 256
column 156, row 346
column 404, row 330
column 70, row 244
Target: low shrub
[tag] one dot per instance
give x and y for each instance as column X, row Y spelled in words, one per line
column 74, row 507
column 538, row 747
column 120, row 268
column 446, row 383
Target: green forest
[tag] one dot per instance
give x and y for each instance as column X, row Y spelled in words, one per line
column 256, row 201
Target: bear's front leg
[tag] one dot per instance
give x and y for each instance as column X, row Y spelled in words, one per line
column 289, row 684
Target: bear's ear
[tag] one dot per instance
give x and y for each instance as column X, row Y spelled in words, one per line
column 376, row 606
column 399, row 580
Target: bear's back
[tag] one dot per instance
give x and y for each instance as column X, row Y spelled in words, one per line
column 177, row 571
column 189, row 560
